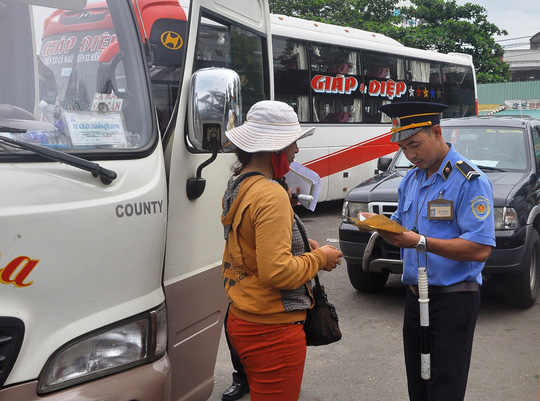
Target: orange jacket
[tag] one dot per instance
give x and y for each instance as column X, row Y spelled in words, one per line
column 257, row 261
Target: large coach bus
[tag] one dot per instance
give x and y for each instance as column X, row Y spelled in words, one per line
column 337, row 77
column 110, row 240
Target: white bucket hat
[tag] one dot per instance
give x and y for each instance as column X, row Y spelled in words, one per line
column 270, row 126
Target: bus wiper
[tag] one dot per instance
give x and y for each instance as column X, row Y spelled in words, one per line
column 489, row 168
column 107, row 176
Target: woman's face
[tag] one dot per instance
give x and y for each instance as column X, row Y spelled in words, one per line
column 290, row 151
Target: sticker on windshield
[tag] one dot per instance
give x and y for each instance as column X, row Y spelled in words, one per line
column 93, row 129
column 113, row 102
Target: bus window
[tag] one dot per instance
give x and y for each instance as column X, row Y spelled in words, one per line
column 435, row 73
column 424, row 81
column 66, row 95
column 337, row 109
column 335, row 104
column 421, row 71
column 235, row 48
column 166, row 90
column 458, row 89
column 372, row 113
column 333, row 59
column 383, row 66
column 289, row 54
column 291, row 75
column 380, row 67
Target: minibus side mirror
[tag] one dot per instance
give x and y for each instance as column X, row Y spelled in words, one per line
column 214, row 107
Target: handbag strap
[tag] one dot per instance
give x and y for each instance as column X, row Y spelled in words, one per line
column 306, row 243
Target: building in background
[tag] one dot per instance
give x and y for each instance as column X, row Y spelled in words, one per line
column 524, row 63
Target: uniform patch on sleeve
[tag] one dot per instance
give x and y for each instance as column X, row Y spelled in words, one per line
column 480, row 207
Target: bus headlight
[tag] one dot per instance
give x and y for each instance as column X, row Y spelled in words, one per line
column 506, row 218
column 130, row 343
column 351, row 209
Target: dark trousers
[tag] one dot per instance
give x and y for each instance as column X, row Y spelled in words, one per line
column 239, row 375
column 452, row 322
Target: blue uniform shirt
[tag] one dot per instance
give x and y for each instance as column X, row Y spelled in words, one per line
column 473, row 219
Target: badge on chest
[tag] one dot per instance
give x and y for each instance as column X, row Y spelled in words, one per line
column 440, row 209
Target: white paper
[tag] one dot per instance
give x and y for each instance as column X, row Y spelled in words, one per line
column 304, row 181
column 91, row 128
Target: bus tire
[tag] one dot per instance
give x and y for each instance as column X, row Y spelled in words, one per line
column 363, row 281
column 522, row 289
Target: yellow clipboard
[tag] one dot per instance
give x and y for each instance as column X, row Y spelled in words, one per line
column 378, row 222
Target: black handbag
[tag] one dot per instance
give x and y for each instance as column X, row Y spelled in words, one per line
column 321, row 325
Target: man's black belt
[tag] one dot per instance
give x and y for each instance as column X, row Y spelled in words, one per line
column 436, row 290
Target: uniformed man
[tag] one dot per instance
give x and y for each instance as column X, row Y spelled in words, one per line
column 447, row 204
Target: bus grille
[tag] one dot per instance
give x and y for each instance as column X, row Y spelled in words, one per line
column 386, row 208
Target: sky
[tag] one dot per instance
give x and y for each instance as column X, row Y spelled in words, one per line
column 520, row 18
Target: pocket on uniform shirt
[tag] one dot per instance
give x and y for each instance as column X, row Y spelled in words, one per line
column 408, row 218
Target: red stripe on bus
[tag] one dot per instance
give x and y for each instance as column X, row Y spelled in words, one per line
column 352, row 156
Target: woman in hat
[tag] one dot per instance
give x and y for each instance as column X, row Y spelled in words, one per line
column 265, row 266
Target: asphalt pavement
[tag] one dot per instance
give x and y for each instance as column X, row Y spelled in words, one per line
column 367, row 364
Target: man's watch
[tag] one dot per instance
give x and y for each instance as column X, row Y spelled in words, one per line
column 421, row 245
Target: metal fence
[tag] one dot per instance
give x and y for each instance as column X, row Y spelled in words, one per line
column 499, row 93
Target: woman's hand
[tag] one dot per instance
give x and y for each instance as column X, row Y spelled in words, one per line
column 294, row 202
column 313, row 244
column 333, row 257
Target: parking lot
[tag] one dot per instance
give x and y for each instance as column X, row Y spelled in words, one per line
column 367, row 364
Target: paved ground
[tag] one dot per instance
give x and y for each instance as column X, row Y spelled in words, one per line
column 367, row 364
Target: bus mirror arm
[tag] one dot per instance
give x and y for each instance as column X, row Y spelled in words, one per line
column 195, row 186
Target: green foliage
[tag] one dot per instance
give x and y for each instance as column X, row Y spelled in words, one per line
column 447, row 27
column 443, row 25
column 362, row 14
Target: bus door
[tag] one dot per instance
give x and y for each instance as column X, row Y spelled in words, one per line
column 222, row 36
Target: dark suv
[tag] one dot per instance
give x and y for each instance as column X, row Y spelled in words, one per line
column 507, row 149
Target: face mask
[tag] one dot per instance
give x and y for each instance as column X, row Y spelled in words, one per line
column 280, row 164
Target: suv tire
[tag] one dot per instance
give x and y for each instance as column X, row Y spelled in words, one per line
column 365, row 282
column 522, row 289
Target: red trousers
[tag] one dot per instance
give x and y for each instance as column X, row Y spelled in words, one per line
column 273, row 356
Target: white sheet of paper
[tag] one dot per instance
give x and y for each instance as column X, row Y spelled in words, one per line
column 308, row 181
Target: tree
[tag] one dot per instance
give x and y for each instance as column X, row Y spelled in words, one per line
column 362, row 14
column 447, row 27
column 442, row 25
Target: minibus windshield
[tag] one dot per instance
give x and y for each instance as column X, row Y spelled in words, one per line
column 74, row 79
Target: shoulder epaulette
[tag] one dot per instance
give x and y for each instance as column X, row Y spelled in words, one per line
column 468, row 171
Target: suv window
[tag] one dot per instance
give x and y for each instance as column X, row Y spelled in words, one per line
column 536, row 142
column 496, row 147
column 487, row 147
